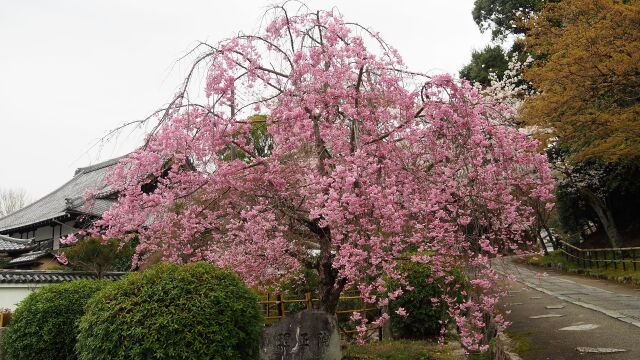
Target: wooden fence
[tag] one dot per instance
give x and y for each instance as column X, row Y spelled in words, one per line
column 626, row 259
column 276, row 306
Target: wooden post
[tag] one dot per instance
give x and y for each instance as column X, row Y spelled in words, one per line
column 307, row 299
column 268, row 304
column 282, row 305
column 613, row 256
column 633, row 258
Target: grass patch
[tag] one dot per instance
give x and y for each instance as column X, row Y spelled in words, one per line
column 554, row 259
column 521, row 341
column 481, row 356
column 557, row 261
column 399, row 350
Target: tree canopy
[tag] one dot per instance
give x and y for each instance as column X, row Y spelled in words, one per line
column 504, row 17
column 367, row 160
column 99, row 256
column 586, row 108
column 588, row 78
column 490, row 60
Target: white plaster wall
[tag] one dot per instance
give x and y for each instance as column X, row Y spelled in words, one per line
column 12, row 294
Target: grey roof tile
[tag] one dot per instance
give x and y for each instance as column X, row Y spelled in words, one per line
column 50, row 276
column 68, row 197
column 12, row 244
column 29, row 257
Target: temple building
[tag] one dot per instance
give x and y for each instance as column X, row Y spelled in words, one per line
column 29, row 235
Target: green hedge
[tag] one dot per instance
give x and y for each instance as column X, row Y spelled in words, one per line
column 424, row 319
column 195, row 311
column 43, row 325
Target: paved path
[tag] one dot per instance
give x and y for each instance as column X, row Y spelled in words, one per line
column 559, row 313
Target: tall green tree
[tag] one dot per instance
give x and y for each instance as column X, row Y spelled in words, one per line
column 504, row 17
column 491, row 59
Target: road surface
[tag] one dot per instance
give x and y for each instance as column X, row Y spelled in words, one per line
column 561, row 316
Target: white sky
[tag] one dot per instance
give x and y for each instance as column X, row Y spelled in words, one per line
column 70, row 70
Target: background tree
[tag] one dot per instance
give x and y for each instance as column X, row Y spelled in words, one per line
column 504, row 17
column 603, row 194
column 588, row 78
column 490, row 60
column 587, row 104
column 94, row 254
column 12, row 200
column 367, row 161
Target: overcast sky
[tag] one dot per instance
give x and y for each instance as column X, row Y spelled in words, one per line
column 72, row 70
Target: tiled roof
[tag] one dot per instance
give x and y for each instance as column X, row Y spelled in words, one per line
column 68, row 197
column 29, row 257
column 12, row 244
column 50, row 276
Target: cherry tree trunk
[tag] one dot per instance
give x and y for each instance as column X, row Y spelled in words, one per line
column 330, row 286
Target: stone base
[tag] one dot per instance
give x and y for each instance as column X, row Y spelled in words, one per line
column 307, row 335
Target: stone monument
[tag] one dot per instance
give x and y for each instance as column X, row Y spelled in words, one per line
column 307, row 335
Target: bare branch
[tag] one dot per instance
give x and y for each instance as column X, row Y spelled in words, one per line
column 12, row 200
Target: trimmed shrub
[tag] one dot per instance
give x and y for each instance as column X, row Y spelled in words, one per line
column 424, row 320
column 43, row 326
column 169, row 311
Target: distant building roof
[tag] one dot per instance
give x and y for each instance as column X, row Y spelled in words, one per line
column 69, row 198
column 50, row 276
column 9, row 244
column 29, row 257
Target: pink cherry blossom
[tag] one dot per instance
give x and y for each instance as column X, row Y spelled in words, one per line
column 61, row 258
column 69, row 239
column 362, row 161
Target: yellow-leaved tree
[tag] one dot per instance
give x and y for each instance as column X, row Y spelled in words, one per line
column 586, row 105
column 587, row 78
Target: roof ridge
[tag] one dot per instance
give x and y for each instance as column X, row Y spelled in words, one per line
column 98, row 166
column 21, row 271
column 78, row 172
column 37, row 201
column 16, row 240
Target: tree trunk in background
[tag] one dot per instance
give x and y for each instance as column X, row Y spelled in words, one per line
column 542, row 244
column 605, row 216
column 554, row 241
